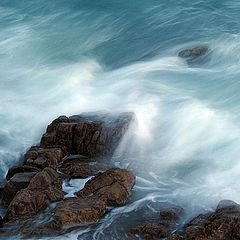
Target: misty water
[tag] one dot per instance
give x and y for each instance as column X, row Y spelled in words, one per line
column 68, row 57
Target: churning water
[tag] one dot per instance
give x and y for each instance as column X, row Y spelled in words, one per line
column 67, row 57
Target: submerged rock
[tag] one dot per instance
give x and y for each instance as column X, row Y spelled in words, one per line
column 15, row 184
column 44, row 187
column 113, row 186
column 194, row 52
column 223, row 224
column 161, row 227
column 87, row 134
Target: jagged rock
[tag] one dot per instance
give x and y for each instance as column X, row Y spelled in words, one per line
column 113, row 186
column 223, row 224
column 162, row 227
column 43, row 157
column 194, row 52
column 20, row 169
column 78, row 166
column 16, row 183
column 77, row 211
column 44, row 187
column 87, row 134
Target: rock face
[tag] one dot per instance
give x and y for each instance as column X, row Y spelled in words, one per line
column 162, row 227
column 44, row 187
column 194, row 52
column 88, row 135
column 72, row 211
column 16, row 183
column 43, row 157
column 78, row 166
column 223, row 224
column 113, row 187
column 20, row 169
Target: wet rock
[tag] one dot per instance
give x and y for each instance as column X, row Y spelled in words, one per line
column 79, row 166
column 20, row 169
column 44, row 187
column 113, row 186
column 72, row 211
column 194, row 52
column 223, row 224
column 175, row 237
column 87, row 134
column 43, row 157
column 162, row 227
column 15, row 184
column 1, row 221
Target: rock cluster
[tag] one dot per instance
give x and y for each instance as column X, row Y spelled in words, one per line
column 72, row 147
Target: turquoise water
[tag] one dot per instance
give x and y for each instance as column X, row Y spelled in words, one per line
column 66, row 57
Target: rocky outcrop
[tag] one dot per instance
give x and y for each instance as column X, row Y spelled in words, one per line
column 113, row 187
column 44, row 187
column 223, row 224
column 161, row 227
column 15, row 184
column 78, row 166
column 87, row 134
column 194, row 52
column 72, row 211
column 43, row 157
column 73, row 147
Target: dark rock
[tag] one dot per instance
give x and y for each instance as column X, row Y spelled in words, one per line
column 44, row 187
column 15, row 184
column 194, row 52
column 175, row 237
column 162, row 227
column 223, row 224
column 72, row 211
column 89, row 135
column 43, row 157
column 78, row 166
column 20, row 169
column 113, row 186
column 1, row 221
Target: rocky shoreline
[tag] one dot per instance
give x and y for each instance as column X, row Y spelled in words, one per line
column 79, row 147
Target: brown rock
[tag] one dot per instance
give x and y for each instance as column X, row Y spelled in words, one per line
column 44, row 187
column 77, row 166
column 20, row 169
column 16, row 183
column 160, row 228
column 113, row 186
column 87, row 134
column 41, row 157
column 223, row 224
column 72, row 211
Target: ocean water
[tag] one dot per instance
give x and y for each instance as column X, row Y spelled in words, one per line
column 67, row 57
